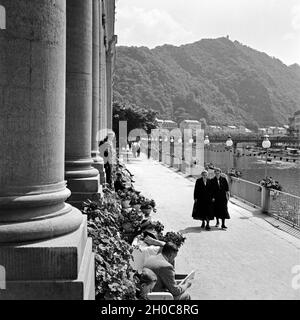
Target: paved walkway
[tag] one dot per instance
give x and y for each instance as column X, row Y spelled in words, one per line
column 250, row 260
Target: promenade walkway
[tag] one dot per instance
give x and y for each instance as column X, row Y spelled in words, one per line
column 250, row 260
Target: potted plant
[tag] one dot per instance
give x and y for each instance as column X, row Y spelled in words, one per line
column 125, row 198
column 158, row 227
column 147, row 206
column 175, row 237
column 135, row 202
column 270, row 183
column 269, row 187
column 130, row 220
column 234, row 173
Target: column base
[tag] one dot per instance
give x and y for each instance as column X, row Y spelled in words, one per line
column 77, row 199
column 83, row 189
column 57, row 269
column 100, row 167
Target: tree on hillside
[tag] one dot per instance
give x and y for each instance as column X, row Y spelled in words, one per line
column 181, row 114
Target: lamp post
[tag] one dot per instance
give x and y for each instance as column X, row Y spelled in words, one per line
column 206, row 144
column 171, row 151
column 229, row 144
column 160, row 149
column 149, row 145
column 266, row 144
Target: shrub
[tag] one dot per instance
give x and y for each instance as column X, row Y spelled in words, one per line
column 176, row 237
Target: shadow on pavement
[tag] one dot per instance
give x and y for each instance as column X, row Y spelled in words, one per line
column 198, row 230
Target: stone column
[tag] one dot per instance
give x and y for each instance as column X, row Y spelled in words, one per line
column 102, row 53
column 109, row 57
column 43, row 240
column 83, row 179
column 98, row 161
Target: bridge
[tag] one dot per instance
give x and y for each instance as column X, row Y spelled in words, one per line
column 277, row 141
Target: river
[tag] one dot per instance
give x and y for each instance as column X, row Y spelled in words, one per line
column 253, row 168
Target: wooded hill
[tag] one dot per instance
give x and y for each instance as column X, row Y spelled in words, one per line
column 225, row 82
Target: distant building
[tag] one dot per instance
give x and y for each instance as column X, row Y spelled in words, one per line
column 262, row 131
column 273, row 131
column 213, row 129
column 169, row 124
column 297, row 121
column 282, row 131
column 166, row 124
column 231, row 128
column 160, row 122
column 190, row 124
column 294, row 124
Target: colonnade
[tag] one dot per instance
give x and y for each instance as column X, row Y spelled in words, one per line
column 53, row 103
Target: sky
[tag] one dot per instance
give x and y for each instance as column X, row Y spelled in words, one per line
column 271, row 26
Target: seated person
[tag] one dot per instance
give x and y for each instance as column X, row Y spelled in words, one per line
column 162, row 265
column 147, row 281
column 151, row 238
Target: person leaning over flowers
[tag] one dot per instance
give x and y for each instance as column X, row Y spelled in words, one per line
column 162, row 265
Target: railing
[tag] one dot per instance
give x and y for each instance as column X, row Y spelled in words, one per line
column 281, row 205
column 285, row 206
column 246, row 190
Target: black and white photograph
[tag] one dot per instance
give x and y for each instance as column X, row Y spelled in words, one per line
column 150, row 150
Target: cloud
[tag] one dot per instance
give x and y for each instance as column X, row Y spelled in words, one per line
column 296, row 17
column 153, row 27
column 289, row 36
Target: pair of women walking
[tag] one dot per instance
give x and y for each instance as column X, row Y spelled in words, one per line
column 210, row 199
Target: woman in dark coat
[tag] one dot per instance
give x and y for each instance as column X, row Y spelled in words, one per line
column 220, row 194
column 203, row 200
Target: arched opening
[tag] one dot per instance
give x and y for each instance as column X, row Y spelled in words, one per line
column 2, row 18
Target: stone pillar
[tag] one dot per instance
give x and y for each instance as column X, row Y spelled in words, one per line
column 265, row 200
column 102, row 54
column 43, row 241
column 83, row 179
column 98, row 161
column 109, row 57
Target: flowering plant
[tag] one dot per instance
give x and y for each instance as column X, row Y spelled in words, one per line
column 234, row 173
column 175, row 237
column 136, row 198
column 270, row 183
column 113, row 255
column 148, row 204
column 124, row 195
column 158, row 227
column 131, row 217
